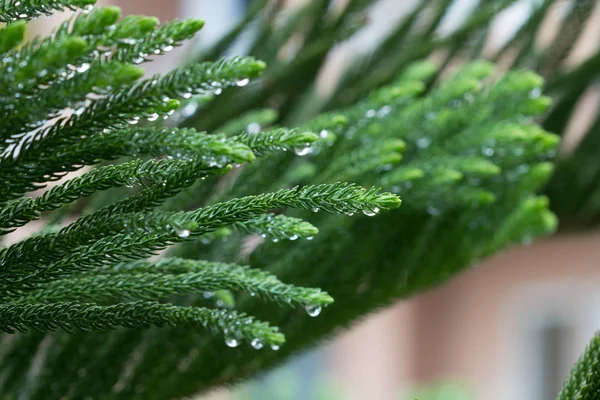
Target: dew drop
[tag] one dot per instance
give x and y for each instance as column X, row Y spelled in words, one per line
column 313, row 311
column 166, row 48
column 315, row 209
column 274, row 347
column 385, row 110
column 423, row 142
column 527, row 240
column 153, row 117
column 275, row 240
column 129, row 41
column 187, row 95
column 231, row 342
column 310, row 238
column 253, row 128
column 242, row 82
column 535, row 93
column 294, row 237
column 488, row 151
column 433, row 211
column 83, row 67
column 189, row 109
column 257, row 344
column 134, row 121
column 218, row 91
column 303, row 151
column 183, row 233
column 371, row 213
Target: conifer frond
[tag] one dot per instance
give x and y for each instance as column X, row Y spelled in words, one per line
column 584, row 380
column 11, row 35
column 175, row 277
column 89, row 317
column 11, row 10
column 278, row 227
column 277, row 139
column 463, row 150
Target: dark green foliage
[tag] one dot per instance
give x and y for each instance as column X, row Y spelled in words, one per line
column 462, row 149
column 584, row 381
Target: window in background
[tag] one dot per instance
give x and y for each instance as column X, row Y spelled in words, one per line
column 220, row 17
column 553, row 347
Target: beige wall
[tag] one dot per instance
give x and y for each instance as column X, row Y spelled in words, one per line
column 473, row 329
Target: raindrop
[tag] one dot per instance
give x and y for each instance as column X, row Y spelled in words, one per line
column 385, row 110
column 189, row 109
column 274, row 347
column 370, row 114
column 527, row 240
column 166, row 48
column 242, row 82
column 423, row 143
column 313, row 311
column 134, row 121
column 488, row 151
column 275, row 240
column 23, row 15
column 253, row 128
column 257, row 344
column 433, row 211
column 208, row 295
column 371, row 213
column 128, row 41
column 294, row 237
column 88, row 8
column 187, row 95
column 218, row 91
column 183, row 233
column 324, row 134
column 315, row 209
column 153, row 117
column 310, row 238
column 303, row 151
column 83, row 67
column 535, row 93
column 138, row 60
column 231, row 342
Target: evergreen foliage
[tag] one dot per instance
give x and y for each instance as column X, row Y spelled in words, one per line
column 462, row 149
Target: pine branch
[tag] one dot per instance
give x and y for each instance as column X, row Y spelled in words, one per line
column 339, row 198
column 87, row 317
column 151, row 283
column 11, row 10
column 583, row 380
column 277, row 227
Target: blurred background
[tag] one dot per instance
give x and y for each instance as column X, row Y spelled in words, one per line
column 510, row 328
